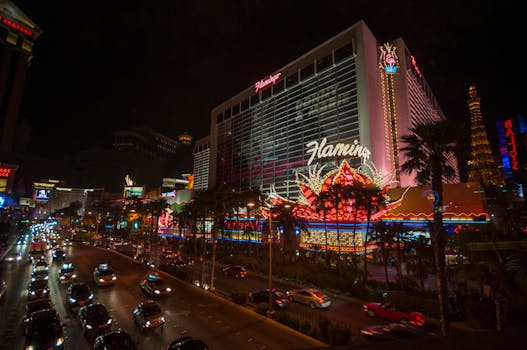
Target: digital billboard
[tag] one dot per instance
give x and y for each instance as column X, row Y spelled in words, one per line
column 42, row 194
column 133, row 191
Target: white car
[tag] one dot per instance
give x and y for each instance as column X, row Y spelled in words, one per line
column 104, row 275
column 309, row 296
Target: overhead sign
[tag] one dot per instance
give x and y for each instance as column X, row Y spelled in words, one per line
column 133, row 191
column 320, row 149
column 259, row 85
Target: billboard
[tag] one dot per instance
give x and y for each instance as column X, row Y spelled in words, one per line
column 42, row 194
column 133, row 191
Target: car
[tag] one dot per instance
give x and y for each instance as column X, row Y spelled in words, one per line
column 279, row 298
column 66, row 273
column 389, row 312
column 33, row 306
column 148, row 315
column 104, row 275
column 154, row 285
column 79, row 294
column 66, row 243
column 309, row 296
column 40, row 265
column 58, row 254
column 17, row 256
column 95, row 320
column 393, row 331
column 38, row 289
column 114, row 340
column 235, row 271
column 39, row 275
column 187, row 343
column 3, row 289
column 21, row 240
column 44, row 330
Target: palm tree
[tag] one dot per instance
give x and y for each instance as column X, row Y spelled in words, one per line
column 401, row 236
column 428, row 148
column 382, row 236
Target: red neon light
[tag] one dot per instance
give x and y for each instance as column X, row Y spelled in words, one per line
column 4, row 172
column 259, row 85
column 16, row 26
column 414, row 63
column 511, row 145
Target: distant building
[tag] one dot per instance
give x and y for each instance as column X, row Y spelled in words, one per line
column 201, row 163
column 17, row 35
column 145, row 141
column 351, row 98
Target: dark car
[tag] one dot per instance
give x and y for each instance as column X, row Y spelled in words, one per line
column 187, row 343
column 79, row 294
column 44, row 331
column 236, row 271
column 148, row 315
column 154, row 285
column 393, row 331
column 39, row 275
column 66, row 273
column 59, row 255
column 33, row 306
column 38, row 289
column 114, row 340
column 94, row 319
column 279, row 298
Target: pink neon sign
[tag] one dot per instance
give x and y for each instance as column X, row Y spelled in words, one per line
column 414, row 63
column 511, row 144
column 259, row 85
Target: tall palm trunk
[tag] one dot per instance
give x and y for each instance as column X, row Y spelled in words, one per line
column 365, row 261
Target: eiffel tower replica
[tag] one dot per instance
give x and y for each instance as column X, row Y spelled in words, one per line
column 482, row 165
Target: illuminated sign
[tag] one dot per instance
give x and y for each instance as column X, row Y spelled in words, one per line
column 15, row 26
column 259, row 85
column 414, row 64
column 133, row 191
column 42, row 195
column 168, row 194
column 323, row 150
column 510, row 137
column 388, row 60
column 5, row 172
column 43, row 184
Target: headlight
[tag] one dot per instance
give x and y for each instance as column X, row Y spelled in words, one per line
column 33, row 279
column 29, row 347
column 60, row 341
column 72, row 300
column 45, row 291
column 109, row 321
column 147, row 323
column 88, row 326
column 19, row 258
column 169, row 289
column 33, row 293
column 157, row 291
column 91, row 296
column 162, row 319
column 101, row 280
column 74, row 275
column 46, row 277
column 114, row 278
column 61, row 277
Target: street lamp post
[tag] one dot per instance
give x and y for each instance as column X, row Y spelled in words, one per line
column 270, row 240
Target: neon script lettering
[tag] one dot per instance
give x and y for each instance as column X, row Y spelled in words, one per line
column 511, row 144
column 266, row 82
column 16, row 26
column 322, row 150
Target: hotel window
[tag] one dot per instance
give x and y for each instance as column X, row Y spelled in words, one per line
column 291, row 80
column 308, row 71
column 266, row 93
column 219, row 118
column 278, row 86
column 343, row 52
column 236, row 109
column 255, row 99
column 227, row 113
column 324, row 62
column 245, row 105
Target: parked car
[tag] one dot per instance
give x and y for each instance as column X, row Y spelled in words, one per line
column 58, row 255
column 114, row 340
column 44, row 331
column 38, row 289
column 94, row 320
column 66, row 273
column 33, row 306
column 79, row 294
column 236, row 271
column 187, row 343
column 309, row 296
column 389, row 312
column 148, row 315
column 279, row 298
column 104, row 275
column 154, row 285
column 393, row 331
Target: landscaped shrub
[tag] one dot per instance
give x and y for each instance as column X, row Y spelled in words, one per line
column 323, row 326
column 240, row 297
column 339, row 335
column 261, row 308
column 305, row 327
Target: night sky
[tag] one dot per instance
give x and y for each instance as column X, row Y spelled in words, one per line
column 117, row 64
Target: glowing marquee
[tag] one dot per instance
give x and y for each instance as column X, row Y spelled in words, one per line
column 388, row 60
column 15, row 26
column 511, row 144
column 5, row 172
column 322, row 150
column 259, row 85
